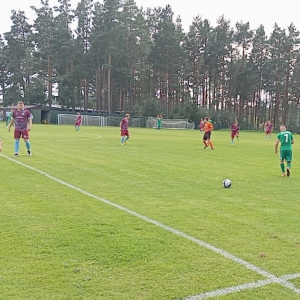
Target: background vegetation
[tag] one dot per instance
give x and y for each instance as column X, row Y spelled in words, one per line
column 119, row 57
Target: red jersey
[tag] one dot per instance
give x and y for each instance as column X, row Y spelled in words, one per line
column 21, row 118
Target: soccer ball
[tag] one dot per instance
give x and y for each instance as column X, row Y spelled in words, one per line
column 226, row 183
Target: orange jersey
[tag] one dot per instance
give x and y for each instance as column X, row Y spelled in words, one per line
column 208, row 127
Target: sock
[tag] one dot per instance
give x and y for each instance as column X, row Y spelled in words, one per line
column 27, row 145
column 282, row 167
column 122, row 140
column 289, row 165
column 204, row 142
column 17, row 146
column 127, row 137
column 231, row 142
column 211, row 144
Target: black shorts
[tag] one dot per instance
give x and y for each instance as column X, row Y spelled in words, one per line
column 206, row 136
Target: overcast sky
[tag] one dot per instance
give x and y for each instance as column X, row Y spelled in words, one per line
column 257, row 12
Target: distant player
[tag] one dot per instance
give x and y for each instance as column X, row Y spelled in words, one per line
column 286, row 139
column 8, row 115
column 201, row 126
column 78, row 121
column 268, row 129
column 23, row 123
column 159, row 120
column 124, row 128
column 234, row 131
column 208, row 127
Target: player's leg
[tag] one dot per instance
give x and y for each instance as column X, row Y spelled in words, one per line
column 232, row 139
column 17, row 147
column 282, row 167
column 28, row 145
column 288, row 162
column 17, row 136
column 126, row 137
column 205, row 140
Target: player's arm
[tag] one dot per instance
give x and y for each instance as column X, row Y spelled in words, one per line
column 276, row 146
column 29, row 123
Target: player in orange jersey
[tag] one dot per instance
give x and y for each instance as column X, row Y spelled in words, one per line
column 208, row 127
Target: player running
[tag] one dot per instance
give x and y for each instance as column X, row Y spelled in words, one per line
column 286, row 139
column 235, row 131
column 208, row 127
column 8, row 115
column 78, row 121
column 23, row 123
column 124, row 126
column 268, row 129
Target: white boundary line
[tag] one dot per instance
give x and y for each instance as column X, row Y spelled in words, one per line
column 242, row 287
column 270, row 277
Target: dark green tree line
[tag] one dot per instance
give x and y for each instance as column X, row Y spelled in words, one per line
column 113, row 56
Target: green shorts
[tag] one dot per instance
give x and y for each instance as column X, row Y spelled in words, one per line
column 286, row 155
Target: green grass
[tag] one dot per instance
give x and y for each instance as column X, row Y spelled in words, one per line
column 59, row 243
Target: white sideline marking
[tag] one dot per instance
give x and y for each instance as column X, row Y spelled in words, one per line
column 242, row 287
column 271, row 278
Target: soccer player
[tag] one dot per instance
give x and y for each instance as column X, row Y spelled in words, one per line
column 268, row 129
column 8, row 115
column 78, row 121
column 124, row 129
column 23, row 123
column 235, row 131
column 208, row 127
column 159, row 119
column 201, row 125
column 286, row 139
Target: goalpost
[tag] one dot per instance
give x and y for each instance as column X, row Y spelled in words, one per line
column 171, row 123
column 86, row 120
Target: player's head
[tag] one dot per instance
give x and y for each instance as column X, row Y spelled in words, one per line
column 206, row 119
column 20, row 105
column 127, row 116
column 236, row 122
column 282, row 128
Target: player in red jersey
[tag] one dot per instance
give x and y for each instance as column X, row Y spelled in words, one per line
column 124, row 129
column 78, row 121
column 201, row 126
column 268, row 129
column 234, row 131
column 22, row 120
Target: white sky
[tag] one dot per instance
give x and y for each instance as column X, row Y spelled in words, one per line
column 257, row 12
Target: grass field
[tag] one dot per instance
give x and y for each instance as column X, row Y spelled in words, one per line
column 87, row 218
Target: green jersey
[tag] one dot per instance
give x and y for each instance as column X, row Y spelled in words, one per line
column 285, row 138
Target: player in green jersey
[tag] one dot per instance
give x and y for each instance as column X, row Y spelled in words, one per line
column 9, row 115
column 159, row 119
column 286, row 140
